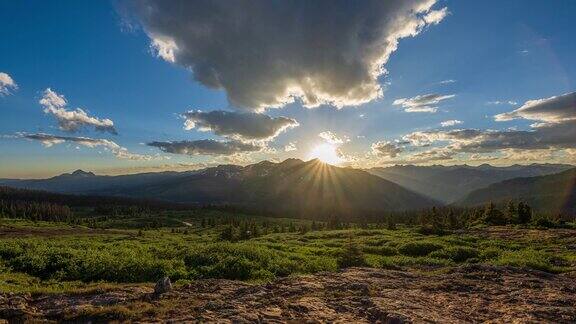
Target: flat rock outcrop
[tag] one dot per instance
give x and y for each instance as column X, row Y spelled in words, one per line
column 474, row 293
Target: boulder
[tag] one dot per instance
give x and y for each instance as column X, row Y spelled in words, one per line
column 162, row 286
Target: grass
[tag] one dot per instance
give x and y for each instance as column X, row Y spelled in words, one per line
column 78, row 263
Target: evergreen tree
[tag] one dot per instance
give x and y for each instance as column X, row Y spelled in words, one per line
column 524, row 213
column 493, row 216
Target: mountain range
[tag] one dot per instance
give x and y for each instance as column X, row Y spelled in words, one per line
column 301, row 188
column 449, row 184
column 292, row 186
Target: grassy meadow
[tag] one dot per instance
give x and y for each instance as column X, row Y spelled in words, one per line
column 38, row 256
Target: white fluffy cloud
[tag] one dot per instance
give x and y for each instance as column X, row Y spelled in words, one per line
column 72, row 120
column 290, row 147
column 267, row 53
column 206, row 147
column 120, row 152
column 332, row 138
column 239, row 126
column 451, row 122
column 6, row 84
column 422, row 103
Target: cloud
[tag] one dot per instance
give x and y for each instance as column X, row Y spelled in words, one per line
column 332, row 138
column 500, row 102
column 422, row 103
column 239, row 126
column 557, row 109
column 72, row 120
column 551, row 139
column 450, row 123
column 120, row 152
column 447, row 81
column 6, row 84
column 290, row 147
column 206, row 147
column 385, row 149
column 557, row 136
column 266, row 54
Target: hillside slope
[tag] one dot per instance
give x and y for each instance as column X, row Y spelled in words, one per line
column 553, row 193
column 451, row 183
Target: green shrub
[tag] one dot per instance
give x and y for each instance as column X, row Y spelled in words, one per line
column 490, row 253
column 544, row 222
column 352, row 256
column 530, row 258
column 419, row 248
column 456, row 254
column 380, row 250
column 397, row 261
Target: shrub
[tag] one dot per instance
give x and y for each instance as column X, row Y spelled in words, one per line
column 544, row 222
column 456, row 254
column 246, row 261
column 530, row 258
column 490, row 253
column 430, row 230
column 420, row 248
column 380, row 250
column 352, row 256
column 397, row 261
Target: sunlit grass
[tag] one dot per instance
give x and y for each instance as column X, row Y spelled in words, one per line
column 79, row 263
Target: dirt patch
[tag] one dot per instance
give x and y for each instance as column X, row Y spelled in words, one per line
column 476, row 293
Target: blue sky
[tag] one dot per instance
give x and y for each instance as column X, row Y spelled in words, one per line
column 482, row 52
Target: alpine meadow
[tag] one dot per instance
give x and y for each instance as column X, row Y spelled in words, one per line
column 290, row 161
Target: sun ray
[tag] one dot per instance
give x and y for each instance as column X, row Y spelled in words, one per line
column 327, row 153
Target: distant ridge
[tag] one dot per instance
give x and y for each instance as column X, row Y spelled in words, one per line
column 451, row 183
column 551, row 193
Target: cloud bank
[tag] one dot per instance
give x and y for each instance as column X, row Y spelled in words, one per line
column 120, row 152
column 72, row 120
column 205, row 147
column 552, row 137
column 423, row 103
column 239, row 126
column 266, row 54
column 6, row 84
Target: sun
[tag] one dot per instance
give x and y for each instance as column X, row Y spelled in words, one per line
column 326, row 153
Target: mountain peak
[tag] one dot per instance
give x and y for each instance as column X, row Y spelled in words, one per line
column 82, row 173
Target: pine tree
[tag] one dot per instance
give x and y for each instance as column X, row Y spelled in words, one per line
column 524, row 213
column 493, row 216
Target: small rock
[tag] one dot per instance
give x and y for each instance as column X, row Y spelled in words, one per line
column 162, row 286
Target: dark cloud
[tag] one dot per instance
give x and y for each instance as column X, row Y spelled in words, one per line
column 206, row 147
column 555, row 109
column 72, row 120
column 266, row 53
column 422, row 103
column 240, row 126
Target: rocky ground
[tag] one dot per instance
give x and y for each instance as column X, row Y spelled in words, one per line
column 464, row 294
